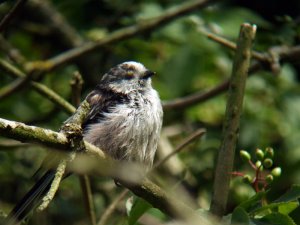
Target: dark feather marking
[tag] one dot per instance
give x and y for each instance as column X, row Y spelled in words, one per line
column 101, row 101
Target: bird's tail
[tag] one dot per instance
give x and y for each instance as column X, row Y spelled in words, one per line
column 31, row 199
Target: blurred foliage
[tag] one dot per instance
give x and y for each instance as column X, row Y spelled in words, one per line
column 186, row 62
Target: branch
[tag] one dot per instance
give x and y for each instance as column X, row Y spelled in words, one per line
column 229, row 44
column 51, row 17
column 76, row 86
column 181, row 103
column 111, row 208
column 85, row 185
column 40, row 88
column 8, row 17
column 32, row 134
column 12, row 87
column 145, row 189
column 143, row 26
column 161, row 200
column 225, row 160
column 284, row 54
column 10, row 51
column 192, row 137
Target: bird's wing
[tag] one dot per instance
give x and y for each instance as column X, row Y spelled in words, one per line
column 97, row 101
column 101, row 101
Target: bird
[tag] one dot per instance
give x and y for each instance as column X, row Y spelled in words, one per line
column 124, row 120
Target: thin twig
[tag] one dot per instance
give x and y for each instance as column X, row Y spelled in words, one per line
column 72, row 129
column 53, row 97
column 85, row 185
column 192, row 137
column 41, row 67
column 125, row 33
column 51, row 17
column 60, row 171
column 7, row 144
column 13, row 53
column 181, row 103
column 198, row 97
column 111, row 208
column 76, row 85
column 231, row 45
column 13, row 11
column 63, row 32
column 40, row 88
column 225, row 160
column 12, row 87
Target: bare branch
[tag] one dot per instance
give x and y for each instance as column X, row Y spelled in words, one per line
column 143, row 26
column 88, row 197
column 256, row 55
column 76, row 85
column 85, row 184
column 181, row 103
column 12, row 87
column 52, row 18
column 10, row 51
column 40, row 88
column 9, row 16
column 192, row 137
column 111, row 208
column 284, row 54
column 225, row 160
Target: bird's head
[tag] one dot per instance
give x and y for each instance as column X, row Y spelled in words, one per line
column 128, row 76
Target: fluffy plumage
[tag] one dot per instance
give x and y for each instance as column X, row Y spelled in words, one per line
column 125, row 121
column 126, row 115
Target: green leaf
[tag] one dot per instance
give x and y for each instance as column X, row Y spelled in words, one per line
column 288, row 208
column 275, row 219
column 253, row 201
column 283, row 207
column 291, row 195
column 240, row 216
column 138, row 208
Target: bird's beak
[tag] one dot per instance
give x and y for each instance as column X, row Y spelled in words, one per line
column 148, row 74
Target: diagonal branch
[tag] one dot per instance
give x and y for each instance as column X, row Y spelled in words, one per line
column 284, row 54
column 143, row 26
column 40, row 88
column 9, row 16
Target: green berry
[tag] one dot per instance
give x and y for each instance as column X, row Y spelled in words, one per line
column 245, row 155
column 268, row 162
column 276, row 172
column 247, row 179
column 269, row 178
column 259, row 154
column 269, row 152
column 259, row 165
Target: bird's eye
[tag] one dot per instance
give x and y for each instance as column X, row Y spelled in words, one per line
column 129, row 74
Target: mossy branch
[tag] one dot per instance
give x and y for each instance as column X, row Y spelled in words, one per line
column 144, row 189
column 233, row 112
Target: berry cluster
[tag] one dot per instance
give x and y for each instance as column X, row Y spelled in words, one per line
column 264, row 173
